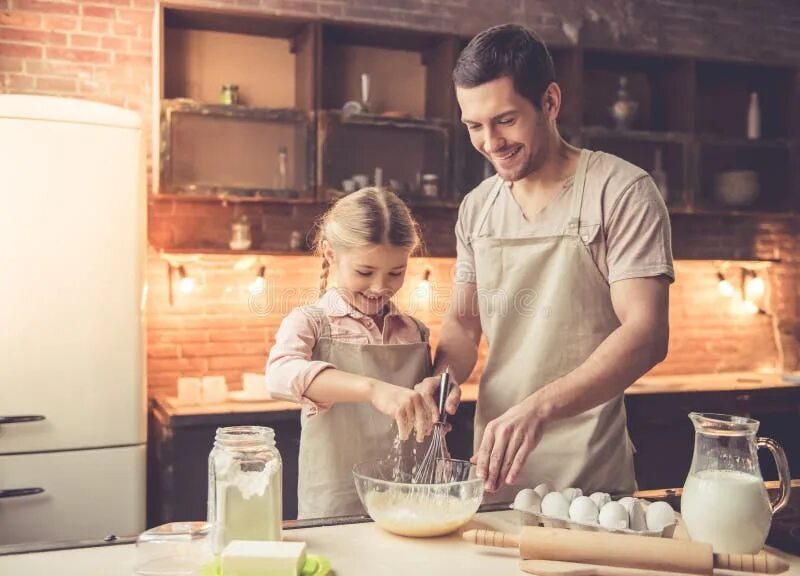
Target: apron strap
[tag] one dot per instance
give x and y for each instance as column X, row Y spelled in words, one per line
column 487, row 206
column 424, row 333
column 573, row 226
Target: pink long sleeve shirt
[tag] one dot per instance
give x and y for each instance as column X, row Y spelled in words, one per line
column 290, row 368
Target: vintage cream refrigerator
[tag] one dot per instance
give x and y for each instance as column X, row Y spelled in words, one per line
column 72, row 292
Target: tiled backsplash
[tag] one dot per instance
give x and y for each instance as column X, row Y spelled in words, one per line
column 221, row 328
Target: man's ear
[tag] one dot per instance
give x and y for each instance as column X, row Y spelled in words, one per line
column 551, row 100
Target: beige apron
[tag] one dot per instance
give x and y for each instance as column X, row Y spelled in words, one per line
column 332, row 442
column 544, row 308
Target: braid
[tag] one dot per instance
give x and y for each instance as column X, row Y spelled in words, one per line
column 323, row 277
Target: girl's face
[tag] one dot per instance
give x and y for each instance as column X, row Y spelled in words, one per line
column 368, row 277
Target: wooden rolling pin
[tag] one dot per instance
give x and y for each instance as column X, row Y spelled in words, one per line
column 624, row 550
column 554, row 568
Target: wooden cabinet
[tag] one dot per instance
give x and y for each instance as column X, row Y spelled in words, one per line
column 658, row 424
column 178, row 449
column 691, row 113
column 179, row 445
column 664, row 437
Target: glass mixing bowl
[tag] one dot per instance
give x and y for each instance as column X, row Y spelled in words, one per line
column 402, row 507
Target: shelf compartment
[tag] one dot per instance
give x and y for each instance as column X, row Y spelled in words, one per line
column 423, row 61
column 204, row 49
column 660, row 85
column 642, row 151
column 403, row 149
column 771, row 165
column 235, row 151
column 723, row 99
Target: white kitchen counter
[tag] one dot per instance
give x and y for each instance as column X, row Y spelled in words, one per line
column 354, row 549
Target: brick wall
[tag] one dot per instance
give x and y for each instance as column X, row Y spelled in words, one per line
column 222, row 329
column 101, row 50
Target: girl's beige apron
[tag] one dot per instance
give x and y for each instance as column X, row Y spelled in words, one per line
column 544, row 308
column 332, row 442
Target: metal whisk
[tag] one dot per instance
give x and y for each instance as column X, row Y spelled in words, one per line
column 437, row 451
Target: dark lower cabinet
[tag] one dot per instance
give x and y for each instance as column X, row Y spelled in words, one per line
column 663, row 435
column 659, row 426
column 178, row 448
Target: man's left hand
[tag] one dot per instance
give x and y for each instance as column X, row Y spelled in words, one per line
column 506, row 444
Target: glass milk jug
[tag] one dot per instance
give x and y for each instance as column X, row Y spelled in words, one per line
column 724, row 501
column 244, row 486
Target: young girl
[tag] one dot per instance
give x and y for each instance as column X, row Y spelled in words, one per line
column 353, row 360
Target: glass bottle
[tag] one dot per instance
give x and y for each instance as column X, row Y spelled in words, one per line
column 753, row 118
column 241, row 237
column 624, row 108
column 244, row 486
column 283, row 167
column 229, row 94
column 659, row 175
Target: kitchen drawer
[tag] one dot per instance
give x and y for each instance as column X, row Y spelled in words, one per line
column 88, row 494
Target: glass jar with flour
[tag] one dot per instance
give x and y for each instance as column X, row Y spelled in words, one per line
column 244, row 486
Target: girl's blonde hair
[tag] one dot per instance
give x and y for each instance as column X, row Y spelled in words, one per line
column 367, row 217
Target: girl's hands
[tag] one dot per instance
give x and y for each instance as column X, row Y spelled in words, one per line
column 429, row 388
column 409, row 408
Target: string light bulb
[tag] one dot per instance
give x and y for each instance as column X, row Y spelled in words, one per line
column 724, row 286
column 754, row 287
column 424, row 287
column 186, row 282
column 257, row 285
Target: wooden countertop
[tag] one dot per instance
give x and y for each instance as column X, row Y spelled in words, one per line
column 353, row 549
column 669, row 384
column 719, row 382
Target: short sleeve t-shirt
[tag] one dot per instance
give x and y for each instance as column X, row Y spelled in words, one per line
column 623, row 222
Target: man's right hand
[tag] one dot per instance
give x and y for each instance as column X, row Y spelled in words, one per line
column 408, row 408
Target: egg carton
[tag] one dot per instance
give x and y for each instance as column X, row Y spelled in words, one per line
column 539, row 519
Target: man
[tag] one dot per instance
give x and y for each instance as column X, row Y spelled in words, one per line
column 564, row 262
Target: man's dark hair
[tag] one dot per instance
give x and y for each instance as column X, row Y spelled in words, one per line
column 507, row 50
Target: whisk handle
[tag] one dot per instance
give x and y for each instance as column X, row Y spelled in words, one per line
column 444, row 391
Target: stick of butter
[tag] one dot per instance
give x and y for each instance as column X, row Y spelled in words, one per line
column 257, row 558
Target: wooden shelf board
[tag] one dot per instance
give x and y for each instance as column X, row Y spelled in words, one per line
column 646, row 135
column 221, row 199
column 381, row 121
column 222, row 251
column 233, row 21
column 380, row 37
column 777, row 143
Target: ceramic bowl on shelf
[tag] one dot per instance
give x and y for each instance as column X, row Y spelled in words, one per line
column 402, row 507
column 736, row 188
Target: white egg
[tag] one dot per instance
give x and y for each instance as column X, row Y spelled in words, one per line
column 600, row 499
column 542, row 489
column 554, row 504
column 583, row 509
column 528, row 501
column 659, row 515
column 637, row 517
column 613, row 515
column 627, row 503
column 571, row 493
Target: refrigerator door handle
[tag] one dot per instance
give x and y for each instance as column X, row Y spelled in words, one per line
column 17, row 492
column 18, row 419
